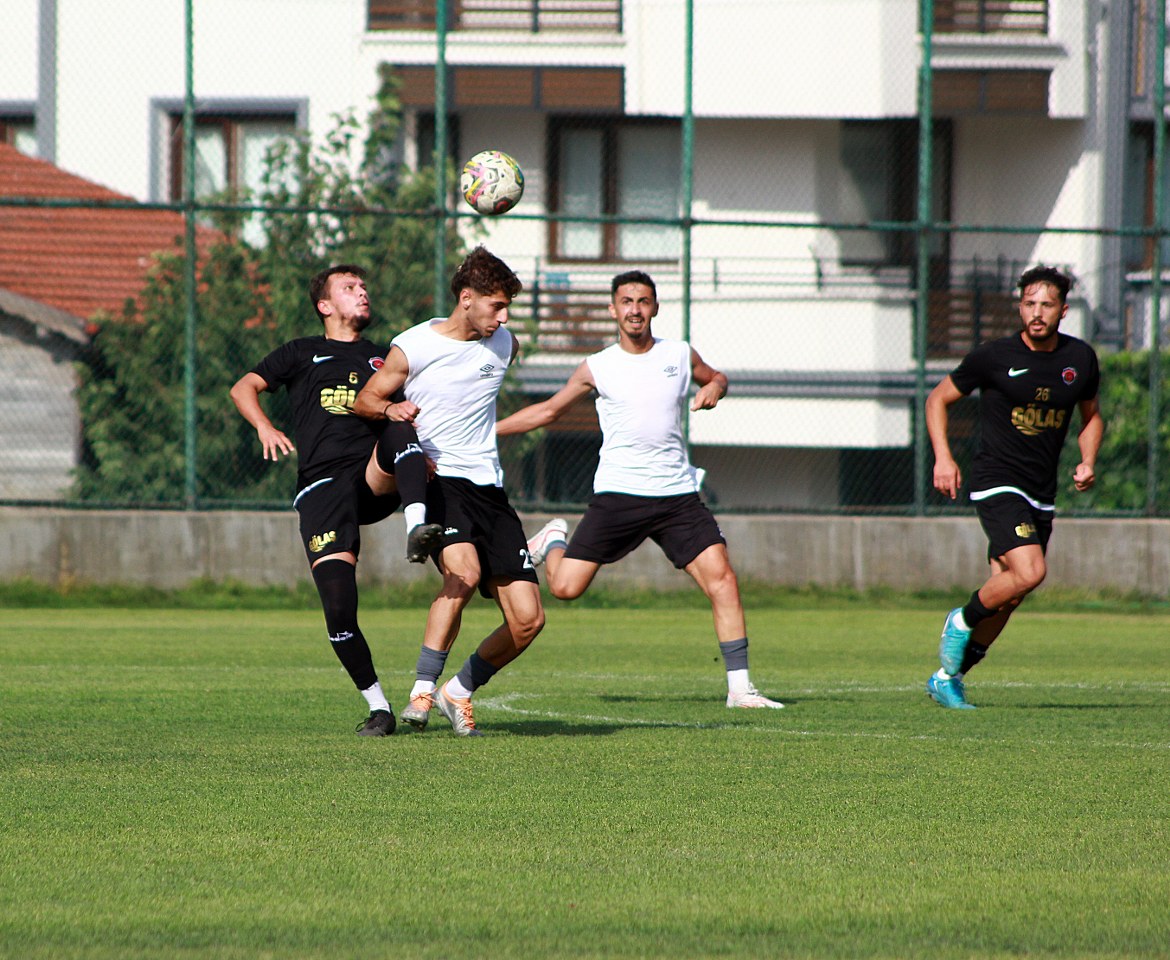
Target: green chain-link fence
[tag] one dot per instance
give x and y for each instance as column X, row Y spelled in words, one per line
column 835, row 198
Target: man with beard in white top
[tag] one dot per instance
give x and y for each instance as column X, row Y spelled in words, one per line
column 645, row 486
column 443, row 376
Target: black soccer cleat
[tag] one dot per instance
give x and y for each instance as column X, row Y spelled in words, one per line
column 380, row 723
column 421, row 541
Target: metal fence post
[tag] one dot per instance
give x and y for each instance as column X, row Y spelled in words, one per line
column 1155, row 367
column 922, row 243
column 440, row 156
column 190, row 490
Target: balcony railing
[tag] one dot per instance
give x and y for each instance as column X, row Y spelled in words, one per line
column 533, row 16
column 991, row 16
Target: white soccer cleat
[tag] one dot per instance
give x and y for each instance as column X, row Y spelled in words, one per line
column 552, row 533
column 752, row 699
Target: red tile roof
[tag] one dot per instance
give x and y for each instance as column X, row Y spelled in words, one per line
column 80, row 260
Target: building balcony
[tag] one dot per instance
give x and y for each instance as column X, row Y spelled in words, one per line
column 533, row 16
column 991, row 16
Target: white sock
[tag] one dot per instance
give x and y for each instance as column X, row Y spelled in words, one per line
column 456, row 690
column 943, row 675
column 376, row 698
column 415, row 513
column 960, row 622
column 738, row 682
column 421, row 686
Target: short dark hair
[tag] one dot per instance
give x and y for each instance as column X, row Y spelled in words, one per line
column 632, row 276
column 319, row 285
column 1049, row 275
column 485, row 273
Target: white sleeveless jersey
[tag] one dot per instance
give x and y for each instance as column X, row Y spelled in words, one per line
column 455, row 384
column 639, row 403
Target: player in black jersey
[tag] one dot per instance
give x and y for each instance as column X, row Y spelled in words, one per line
column 1029, row 384
column 351, row 472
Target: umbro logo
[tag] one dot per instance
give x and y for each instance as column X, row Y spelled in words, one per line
column 671, row 371
column 320, row 359
column 487, row 370
column 1013, row 372
column 450, row 531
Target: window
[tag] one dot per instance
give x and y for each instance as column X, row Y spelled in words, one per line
column 19, row 130
column 879, row 182
column 230, row 153
column 1138, row 192
column 610, row 167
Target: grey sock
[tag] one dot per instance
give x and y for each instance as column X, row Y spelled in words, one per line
column 735, row 656
column 430, row 664
column 476, row 672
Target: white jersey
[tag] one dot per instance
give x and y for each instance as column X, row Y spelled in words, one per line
column 640, row 403
column 455, row 384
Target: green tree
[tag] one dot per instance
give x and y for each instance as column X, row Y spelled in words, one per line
column 1122, row 465
column 343, row 200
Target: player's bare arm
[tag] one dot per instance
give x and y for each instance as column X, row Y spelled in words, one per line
column 1089, row 440
column 541, row 414
column 245, row 395
column 373, row 402
column 947, row 477
column 712, row 383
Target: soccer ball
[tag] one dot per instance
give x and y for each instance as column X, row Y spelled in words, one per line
column 492, row 182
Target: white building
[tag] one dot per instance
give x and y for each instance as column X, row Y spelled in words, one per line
column 804, row 123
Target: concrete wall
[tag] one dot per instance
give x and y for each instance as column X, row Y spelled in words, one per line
column 170, row 549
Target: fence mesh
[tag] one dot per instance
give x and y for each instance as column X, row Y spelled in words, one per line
column 168, row 246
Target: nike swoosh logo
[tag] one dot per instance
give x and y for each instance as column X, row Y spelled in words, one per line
column 1013, row 372
column 317, row 359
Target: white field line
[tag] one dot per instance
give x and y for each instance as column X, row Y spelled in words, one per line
column 509, row 703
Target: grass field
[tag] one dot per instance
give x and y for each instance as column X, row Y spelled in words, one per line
column 186, row 783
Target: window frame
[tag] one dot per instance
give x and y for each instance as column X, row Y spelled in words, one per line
column 610, row 128
column 168, row 171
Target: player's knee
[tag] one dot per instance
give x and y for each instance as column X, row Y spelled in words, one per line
column 460, row 584
column 565, row 590
column 1030, row 576
column 525, row 628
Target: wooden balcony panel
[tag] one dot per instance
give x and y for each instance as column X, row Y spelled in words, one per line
column 991, row 16
column 958, row 320
column 526, row 15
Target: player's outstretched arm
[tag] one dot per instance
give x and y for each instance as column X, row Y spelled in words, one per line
column 947, row 477
column 245, row 394
column 1089, row 440
column 541, row 414
column 373, row 402
column 712, row 383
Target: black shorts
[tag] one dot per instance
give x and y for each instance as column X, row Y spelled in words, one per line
column 483, row 517
column 1010, row 521
column 332, row 510
column 616, row 523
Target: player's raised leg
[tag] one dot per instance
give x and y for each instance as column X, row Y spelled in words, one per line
column 398, row 464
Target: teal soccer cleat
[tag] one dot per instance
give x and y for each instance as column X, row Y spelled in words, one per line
column 948, row 693
column 953, row 644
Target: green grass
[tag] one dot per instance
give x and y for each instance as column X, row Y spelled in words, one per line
column 186, row 783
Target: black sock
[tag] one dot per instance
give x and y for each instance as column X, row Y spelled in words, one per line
column 337, row 585
column 399, row 453
column 971, row 656
column 975, row 611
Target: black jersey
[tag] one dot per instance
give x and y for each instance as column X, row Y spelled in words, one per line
column 1026, row 403
column 323, row 378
